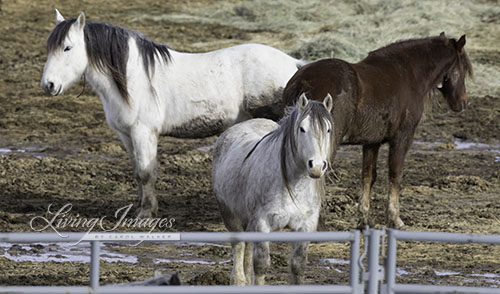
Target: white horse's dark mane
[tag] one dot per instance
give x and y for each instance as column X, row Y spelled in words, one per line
column 107, row 49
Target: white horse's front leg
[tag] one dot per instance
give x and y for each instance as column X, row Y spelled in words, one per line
column 145, row 143
column 298, row 262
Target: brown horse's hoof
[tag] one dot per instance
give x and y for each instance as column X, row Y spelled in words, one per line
column 396, row 224
column 362, row 223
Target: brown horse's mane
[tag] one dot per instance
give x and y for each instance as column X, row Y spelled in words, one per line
column 429, row 43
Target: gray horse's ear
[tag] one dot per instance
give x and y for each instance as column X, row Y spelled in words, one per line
column 81, row 20
column 328, row 102
column 59, row 17
column 303, row 101
column 460, row 43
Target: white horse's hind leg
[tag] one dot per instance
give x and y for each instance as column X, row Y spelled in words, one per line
column 145, row 143
column 238, row 273
column 298, row 261
column 248, row 262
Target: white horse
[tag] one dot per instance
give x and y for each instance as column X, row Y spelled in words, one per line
column 267, row 177
column 149, row 90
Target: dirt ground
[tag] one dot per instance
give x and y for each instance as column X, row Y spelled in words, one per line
column 58, row 150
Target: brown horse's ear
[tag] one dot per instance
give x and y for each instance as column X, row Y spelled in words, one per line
column 442, row 35
column 328, row 102
column 303, row 101
column 460, row 44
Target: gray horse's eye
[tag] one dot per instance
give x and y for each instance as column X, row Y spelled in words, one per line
column 67, row 48
column 302, row 130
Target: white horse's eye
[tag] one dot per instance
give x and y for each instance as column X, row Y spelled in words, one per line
column 328, row 131
column 67, row 48
column 302, row 130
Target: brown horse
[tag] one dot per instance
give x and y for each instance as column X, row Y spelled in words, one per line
column 381, row 99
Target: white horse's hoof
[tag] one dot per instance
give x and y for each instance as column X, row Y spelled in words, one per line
column 145, row 213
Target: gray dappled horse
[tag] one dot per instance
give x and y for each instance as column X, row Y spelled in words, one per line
column 268, row 176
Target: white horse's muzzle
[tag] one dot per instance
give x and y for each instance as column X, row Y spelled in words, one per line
column 51, row 88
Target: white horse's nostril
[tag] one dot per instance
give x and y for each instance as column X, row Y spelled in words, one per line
column 310, row 163
column 50, row 86
column 325, row 165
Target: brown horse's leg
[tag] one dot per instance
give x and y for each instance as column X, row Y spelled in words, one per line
column 397, row 154
column 368, row 175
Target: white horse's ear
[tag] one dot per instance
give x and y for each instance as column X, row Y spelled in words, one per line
column 303, row 101
column 328, row 102
column 81, row 21
column 59, row 17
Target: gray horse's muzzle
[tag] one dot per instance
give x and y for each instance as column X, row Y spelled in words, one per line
column 317, row 170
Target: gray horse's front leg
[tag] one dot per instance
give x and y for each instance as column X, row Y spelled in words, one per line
column 248, row 262
column 261, row 257
column 145, row 142
column 298, row 262
column 261, row 262
column 238, row 274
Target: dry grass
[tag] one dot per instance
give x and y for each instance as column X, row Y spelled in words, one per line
column 350, row 29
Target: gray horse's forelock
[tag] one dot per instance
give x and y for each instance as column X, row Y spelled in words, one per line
column 293, row 117
column 107, row 49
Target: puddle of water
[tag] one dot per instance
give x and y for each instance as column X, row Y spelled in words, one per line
column 459, row 145
column 67, row 252
column 334, row 261
column 401, row 272
column 446, row 273
column 61, row 252
column 38, row 152
column 491, row 276
column 202, row 244
column 206, row 148
column 188, row 261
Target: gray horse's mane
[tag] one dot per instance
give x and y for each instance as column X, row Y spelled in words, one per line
column 107, row 49
column 287, row 131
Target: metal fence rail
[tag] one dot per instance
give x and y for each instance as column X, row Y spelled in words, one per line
column 374, row 244
column 96, row 238
column 392, row 287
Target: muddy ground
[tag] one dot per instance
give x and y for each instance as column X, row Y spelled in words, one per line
column 58, row 150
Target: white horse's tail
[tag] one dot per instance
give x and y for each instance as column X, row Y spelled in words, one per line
column 300, row 63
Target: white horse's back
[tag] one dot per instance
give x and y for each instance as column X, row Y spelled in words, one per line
column 229, row 85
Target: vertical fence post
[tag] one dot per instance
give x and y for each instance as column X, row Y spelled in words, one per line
column 94, row 264
column 354, row 266
column 373, row 261
column 390, row 266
